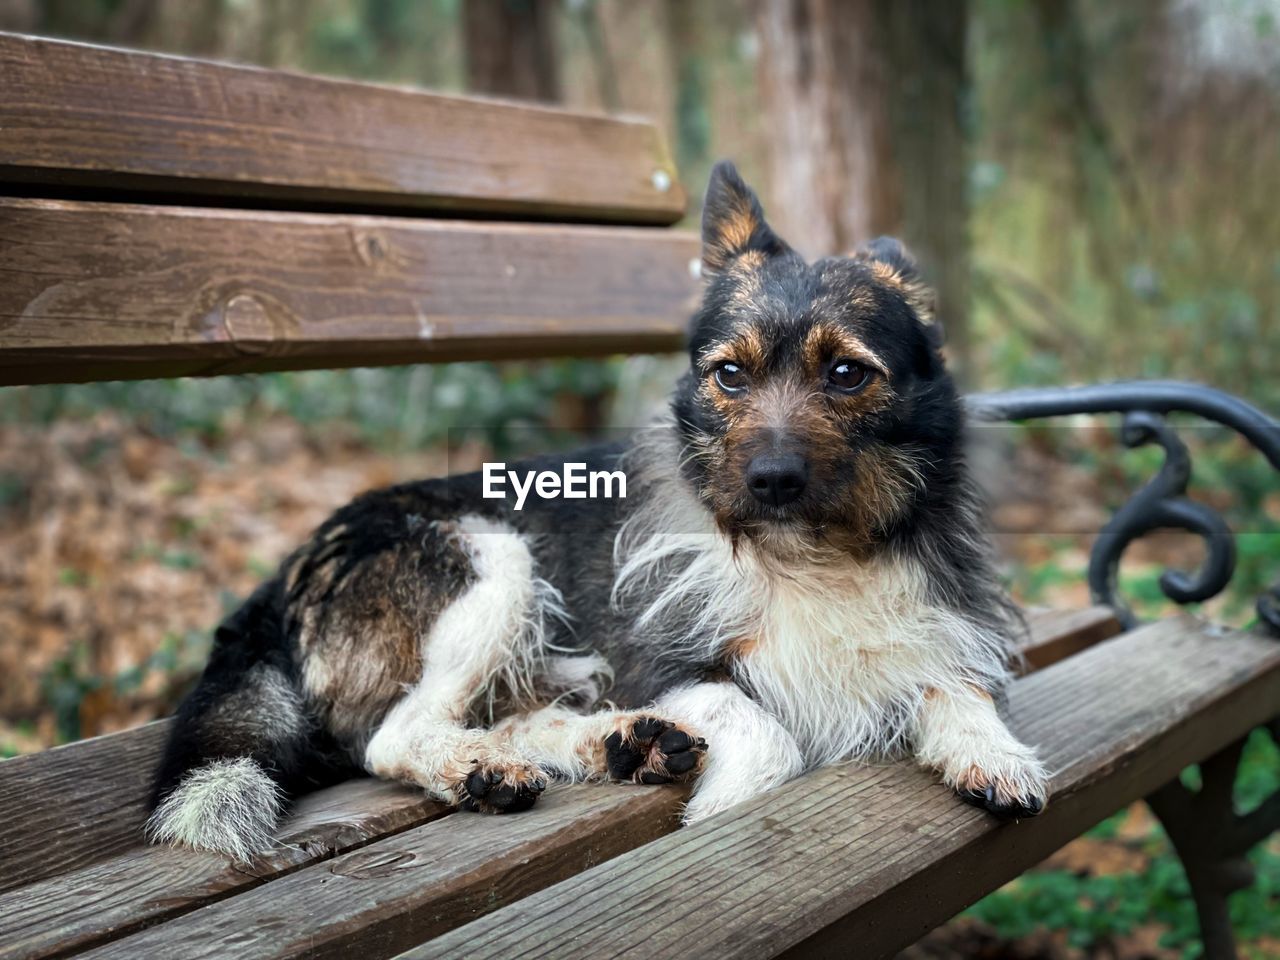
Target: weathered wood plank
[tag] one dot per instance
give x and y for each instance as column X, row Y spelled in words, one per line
column 74, row 805
column 1057, row 634
column 78, row 875
column 116, row 291
column 147, row 884
column 90, row 116
column 861, row 862
column 397, row 892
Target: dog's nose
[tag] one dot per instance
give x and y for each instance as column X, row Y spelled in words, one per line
column 777, row 480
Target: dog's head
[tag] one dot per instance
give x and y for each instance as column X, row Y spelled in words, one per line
column 817, row 403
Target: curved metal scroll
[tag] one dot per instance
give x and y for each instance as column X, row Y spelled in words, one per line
column 1162, row 502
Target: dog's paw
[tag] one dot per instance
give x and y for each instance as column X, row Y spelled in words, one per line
column 653, row 750
column 1012, row 789
column 501, row 787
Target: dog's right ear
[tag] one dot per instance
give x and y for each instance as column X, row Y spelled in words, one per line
column 893, row 264
column 732, row 222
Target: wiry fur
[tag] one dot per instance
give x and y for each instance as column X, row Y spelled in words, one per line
column 430, row 635
column 841, row 650
column 229, row 806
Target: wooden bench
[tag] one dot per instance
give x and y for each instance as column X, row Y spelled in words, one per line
column 166, row 217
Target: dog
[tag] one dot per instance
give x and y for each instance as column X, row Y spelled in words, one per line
column 798, row 575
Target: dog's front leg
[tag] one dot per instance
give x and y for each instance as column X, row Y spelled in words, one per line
column 749, row 752
column 959, row 733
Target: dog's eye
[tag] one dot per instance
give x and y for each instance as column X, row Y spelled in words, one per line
column 849, row 376
column 731, row 378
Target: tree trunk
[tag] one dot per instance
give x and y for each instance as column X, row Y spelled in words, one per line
column 687, row 50
column 927, row 52
column 20, row 16
column 511, row 49
column 865, row 100
column 823, row 84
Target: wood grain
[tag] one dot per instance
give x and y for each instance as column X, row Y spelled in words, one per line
column 77, row 873
column 862, row 861
column 117, row 120
column 397, row 892
column 116, row 291
column 74, row 805
column 146, row 884
column 1057, row 634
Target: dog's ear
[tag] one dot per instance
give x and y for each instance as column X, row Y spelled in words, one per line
column 894, row 265
column 732, row 221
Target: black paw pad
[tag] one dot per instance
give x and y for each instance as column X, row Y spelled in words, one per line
column 622, row 758
column 488, row 791
column 646, row 728
column 655, row 751
column 679, row 763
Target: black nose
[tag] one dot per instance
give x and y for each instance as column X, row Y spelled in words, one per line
column 777, row 480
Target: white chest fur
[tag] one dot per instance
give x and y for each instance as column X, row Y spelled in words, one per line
column 842, row 655
column 841, row 652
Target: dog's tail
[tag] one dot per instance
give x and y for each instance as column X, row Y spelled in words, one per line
column 242, row 743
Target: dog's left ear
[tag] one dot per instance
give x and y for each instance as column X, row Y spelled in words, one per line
column 894, row 265
column 733, row 222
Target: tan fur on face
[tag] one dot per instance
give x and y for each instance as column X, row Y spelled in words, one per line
column 772, row 409
column 884, row 481
column 746, row 348
column 919, row 296
column 881, row 482
column 826, row 342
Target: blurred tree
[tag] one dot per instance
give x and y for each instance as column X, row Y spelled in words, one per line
column 511, row 48
column 18, row 15
column 824, row 79
column 687, row 48
column 866, row 102
column 592, row 21
column 929, row 105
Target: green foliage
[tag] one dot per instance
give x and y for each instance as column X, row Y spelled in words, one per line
column 1096, row 909
column 1109, row 242
column 71, row 679
column 400, row 407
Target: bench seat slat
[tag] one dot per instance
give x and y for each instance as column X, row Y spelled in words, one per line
column 119, row 291
column 74, row 805
column 118, row 120
column 145, row 884
column 862, row 862
column 394, row 893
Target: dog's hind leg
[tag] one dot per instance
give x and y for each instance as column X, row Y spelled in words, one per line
column 492, row 633
column 637, row 746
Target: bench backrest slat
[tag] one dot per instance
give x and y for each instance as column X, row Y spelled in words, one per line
column 94, row 291
column 83, row 116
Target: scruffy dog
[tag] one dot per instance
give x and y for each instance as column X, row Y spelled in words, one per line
column 796, row 576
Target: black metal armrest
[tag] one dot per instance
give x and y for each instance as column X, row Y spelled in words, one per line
column 1162, row 503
